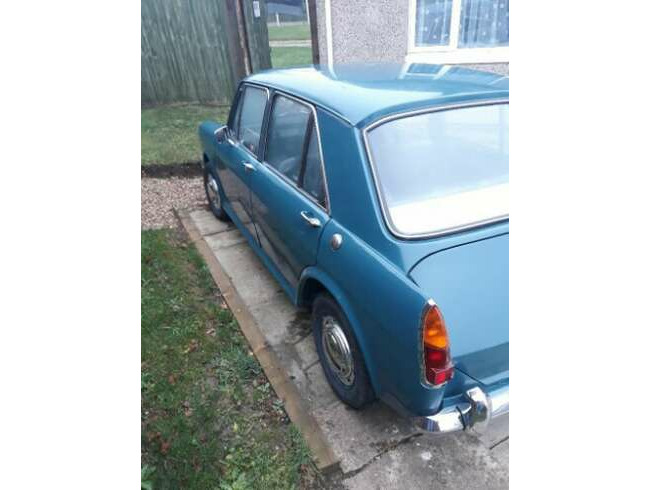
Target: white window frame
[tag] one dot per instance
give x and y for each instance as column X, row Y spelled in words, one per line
column 450, row 53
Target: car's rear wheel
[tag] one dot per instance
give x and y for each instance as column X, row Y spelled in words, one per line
column 213, row 194
column 339, row 353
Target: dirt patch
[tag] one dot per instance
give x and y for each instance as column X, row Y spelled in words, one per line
column 184, row 170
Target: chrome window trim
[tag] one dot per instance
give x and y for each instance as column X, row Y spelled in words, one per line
column 375, row 177
column 276, row 93
column 237, row 142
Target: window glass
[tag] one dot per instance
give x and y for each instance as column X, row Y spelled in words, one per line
column 251, row 117
column 313, row 181
column 235, row 120
column 443, row 170
column 432, row 22
column 484, row 23
column 286, row 138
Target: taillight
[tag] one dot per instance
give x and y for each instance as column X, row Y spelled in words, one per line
column 437, row 361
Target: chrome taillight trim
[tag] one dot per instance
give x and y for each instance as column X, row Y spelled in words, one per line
column 423, row 363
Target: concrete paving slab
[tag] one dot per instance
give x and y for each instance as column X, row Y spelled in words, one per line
column 452, row 461
column 280, row 321
column 496, row 432
column 320, row 394
column 374, row 448
column 224, row 239
column 207, row 224
column 252, row 280
column 358, row 436
column 501, row 453
column 306, row 350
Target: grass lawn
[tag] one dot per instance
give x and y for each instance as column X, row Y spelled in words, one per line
column 209, row 416
column 289, row 32
column 169, row 133
column 285, row 57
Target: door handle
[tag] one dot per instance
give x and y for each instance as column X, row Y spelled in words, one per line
column 249, row 167
column 315, row 222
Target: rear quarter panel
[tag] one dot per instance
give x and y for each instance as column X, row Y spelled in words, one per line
column 470, row 284
column 384, row 309
column 383, row 304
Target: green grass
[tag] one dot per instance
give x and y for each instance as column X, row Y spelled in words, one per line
column 169, row 133
column 289, row 32
column 285, row 57
column 209, row 416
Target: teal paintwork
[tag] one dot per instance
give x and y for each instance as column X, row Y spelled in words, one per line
column 363, row 93
column 381, row 282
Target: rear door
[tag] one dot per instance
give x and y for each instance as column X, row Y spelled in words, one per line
column 289, row 195
column 241, row 156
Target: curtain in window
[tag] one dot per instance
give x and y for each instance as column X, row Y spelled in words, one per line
column 484, row 23
column 432, row 22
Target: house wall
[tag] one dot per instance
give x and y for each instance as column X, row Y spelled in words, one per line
column 369, row 30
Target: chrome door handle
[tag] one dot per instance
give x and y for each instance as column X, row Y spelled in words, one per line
column 315, row 222
column 249, row 167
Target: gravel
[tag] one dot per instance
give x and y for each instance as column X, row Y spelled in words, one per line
column 158, row 198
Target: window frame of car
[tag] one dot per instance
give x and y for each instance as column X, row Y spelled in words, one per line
column 313, row 122
column 235, row 113
column 376, row 182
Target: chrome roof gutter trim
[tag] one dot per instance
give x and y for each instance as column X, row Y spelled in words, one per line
column 475, row 412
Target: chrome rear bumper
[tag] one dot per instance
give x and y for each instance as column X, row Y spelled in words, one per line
column 475, row 412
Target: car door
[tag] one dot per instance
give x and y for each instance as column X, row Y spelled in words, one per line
column 289, row 194
column 240, row 155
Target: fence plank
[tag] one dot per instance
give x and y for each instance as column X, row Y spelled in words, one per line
column 258, row 35
column 190, row 50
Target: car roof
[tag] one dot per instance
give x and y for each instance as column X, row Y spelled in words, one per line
column 364, row 93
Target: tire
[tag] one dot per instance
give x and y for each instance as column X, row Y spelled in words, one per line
column 348, row 376
column 214, row 196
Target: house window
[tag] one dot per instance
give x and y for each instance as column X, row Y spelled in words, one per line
column 459, row 31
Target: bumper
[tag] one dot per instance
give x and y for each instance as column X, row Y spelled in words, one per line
column 475, row 411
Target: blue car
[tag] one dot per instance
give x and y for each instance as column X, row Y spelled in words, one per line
column 377, row 196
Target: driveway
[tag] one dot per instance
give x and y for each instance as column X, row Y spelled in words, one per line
column 373, row 448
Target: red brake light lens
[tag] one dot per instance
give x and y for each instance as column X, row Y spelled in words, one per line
column 437, row 361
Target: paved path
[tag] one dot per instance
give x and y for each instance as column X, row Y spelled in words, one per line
column 375, row 447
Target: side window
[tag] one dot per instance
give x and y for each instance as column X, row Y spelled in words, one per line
column 234, row 126
column 286, row 136
column 250, row 116
column 313, row 181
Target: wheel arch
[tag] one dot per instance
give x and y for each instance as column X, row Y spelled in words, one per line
column 314, row 281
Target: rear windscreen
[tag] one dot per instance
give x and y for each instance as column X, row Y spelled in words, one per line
column 443, row 170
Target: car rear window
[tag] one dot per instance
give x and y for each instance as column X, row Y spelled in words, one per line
column 442, row 171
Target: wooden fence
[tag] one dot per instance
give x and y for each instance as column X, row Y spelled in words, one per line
column 197, row 50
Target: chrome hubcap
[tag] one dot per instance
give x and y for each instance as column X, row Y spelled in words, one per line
column 337, row 351
column 213, row 192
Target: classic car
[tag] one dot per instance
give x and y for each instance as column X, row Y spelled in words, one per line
column 377, row 196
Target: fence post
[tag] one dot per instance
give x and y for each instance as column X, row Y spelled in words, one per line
column 257, row 35
column 243, row 38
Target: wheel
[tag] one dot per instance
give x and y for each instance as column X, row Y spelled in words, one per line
column 213, row 193
column 339, row 353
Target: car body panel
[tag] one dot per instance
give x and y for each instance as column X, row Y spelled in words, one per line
column 381, row 281
column 362, row 93
column 236, row 182
column 470, row 285
column 284, row 234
